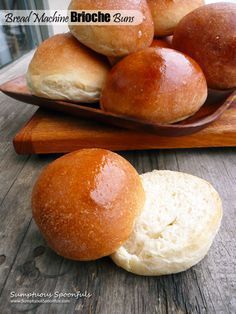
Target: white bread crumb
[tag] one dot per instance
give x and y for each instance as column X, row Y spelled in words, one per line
column 180, row 219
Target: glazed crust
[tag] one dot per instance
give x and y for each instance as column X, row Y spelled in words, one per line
column 85, row 203
column 158, row 85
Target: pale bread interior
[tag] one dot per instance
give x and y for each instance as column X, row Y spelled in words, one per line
column 180, row 219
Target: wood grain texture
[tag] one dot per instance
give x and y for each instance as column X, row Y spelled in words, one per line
column 208, row 287
column 27, row 264
column 51, row 132
column 10, row 109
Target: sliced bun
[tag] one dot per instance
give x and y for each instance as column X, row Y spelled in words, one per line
column 114, row 41
column 181, row 217
column 167, row 14
column 208, row 35
column 85, row 203
column 64, row 69
column 158, row 85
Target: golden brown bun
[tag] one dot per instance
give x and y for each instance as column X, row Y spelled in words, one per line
column 85, row 203
column 156, row 84
column 62, row 68
column 162, row 43
column 167, row 14
column 114, row 41
column 208, row 35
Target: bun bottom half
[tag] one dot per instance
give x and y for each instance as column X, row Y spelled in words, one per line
column 180, row 219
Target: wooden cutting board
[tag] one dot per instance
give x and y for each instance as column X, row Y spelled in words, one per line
column 51, row 132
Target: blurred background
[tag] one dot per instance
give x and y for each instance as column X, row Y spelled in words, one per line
column 16, row 41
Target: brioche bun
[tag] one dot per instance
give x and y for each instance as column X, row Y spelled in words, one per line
column 167, row 14
column 64, row 69
column 158, row 85
column 181, row 217
column 85, row 203
column 208, row 35
column 114, row 41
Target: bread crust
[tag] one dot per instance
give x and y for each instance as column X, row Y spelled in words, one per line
column 158, row 85
column 85, row 203
column 181, row 217
column 62, row 68
column 208, row 35
column 167, row 14
column 114, row 41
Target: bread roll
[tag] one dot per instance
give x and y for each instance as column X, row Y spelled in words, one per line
column 167, row 14
column 64, row 69
column 85, row 203
column 114, row 41
column 158, row 85
column 208, row 35
column 157, row 43
column 181, row 217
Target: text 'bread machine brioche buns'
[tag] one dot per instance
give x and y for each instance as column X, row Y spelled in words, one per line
column 158, row 85
column 64, row 69
column 208, row 35
column 181, row 217
column 114, row 40
column 85, row 203
column 167, row 14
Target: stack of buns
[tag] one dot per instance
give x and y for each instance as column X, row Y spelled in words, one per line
column 92, row 203
column 165, row 84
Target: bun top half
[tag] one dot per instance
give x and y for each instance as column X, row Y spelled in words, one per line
column 86, row 202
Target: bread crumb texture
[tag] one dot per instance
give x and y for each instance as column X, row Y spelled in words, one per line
column 181, row 217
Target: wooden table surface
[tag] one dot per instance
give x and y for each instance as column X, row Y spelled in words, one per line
column 27, row 265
